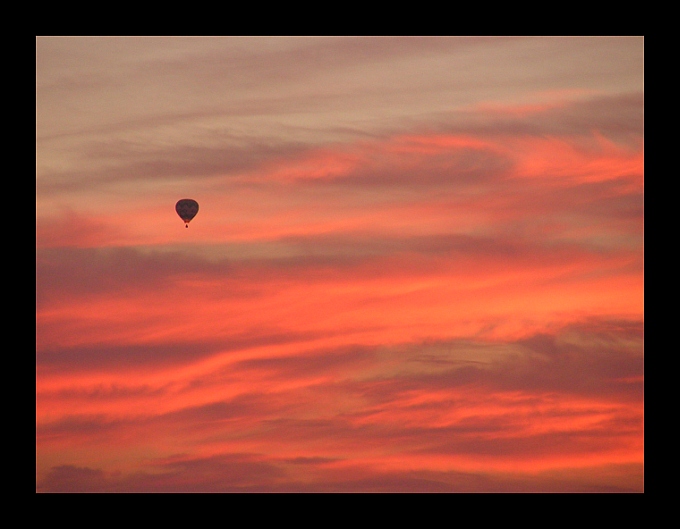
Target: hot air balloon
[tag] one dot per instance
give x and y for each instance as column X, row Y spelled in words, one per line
column 186, row 209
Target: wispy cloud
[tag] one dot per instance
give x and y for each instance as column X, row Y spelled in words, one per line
column 417, row 264
column 546, row 402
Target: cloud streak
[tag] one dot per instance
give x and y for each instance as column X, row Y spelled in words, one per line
column 546, row 402
column 417, row 265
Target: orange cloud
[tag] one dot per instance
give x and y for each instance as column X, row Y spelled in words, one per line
column 454, row 308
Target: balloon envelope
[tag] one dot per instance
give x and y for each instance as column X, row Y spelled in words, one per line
column 186, row 209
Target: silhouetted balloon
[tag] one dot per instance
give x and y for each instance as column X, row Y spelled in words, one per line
column 186, row 209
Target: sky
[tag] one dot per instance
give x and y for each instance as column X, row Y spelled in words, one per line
column 417, row 265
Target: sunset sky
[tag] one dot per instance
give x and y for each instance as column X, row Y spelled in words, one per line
column 417, row 264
